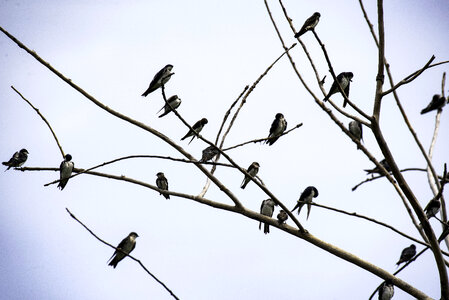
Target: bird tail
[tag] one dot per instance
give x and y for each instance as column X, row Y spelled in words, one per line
column 244, row 183
column 62, row 184
column 167, row 196
column 147, row 92
column 191, row 139
column 425, row 110
column 260, row 225
column 309, row 208
column 344, row 103
column 266, row 228
column 160, row 109
column 326, row 98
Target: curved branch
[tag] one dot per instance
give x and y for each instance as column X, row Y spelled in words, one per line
column 43, row 118
column 118, row 249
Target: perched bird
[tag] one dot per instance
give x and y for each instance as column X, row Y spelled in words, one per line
column 17, row 160
column 252, row 170
column 172, row 103
column 65, row 171
column 432, row 208
column 438, row 102
column 162, row 183
column 209, row 153
column 309, row 24
column 386, row 290
column 196, row 129
column 266, row 209
column 384, row 163
column 126, row 245
column 282, row 216
column 407, row 254
column 344, row 79
column 306, row 197
column 162, row 77
column 277, row 128
column 355, row 128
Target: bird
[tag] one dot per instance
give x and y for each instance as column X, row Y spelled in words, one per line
column 282, row 216
column 209, row 153
column 17, row 160
column 162, row 183
column 437, row 102
column 344, row 79
column 407, row 254
column 65, row 171
column 266, row 209
column 309, row 24
column 253, row 169
column 432, row 208
column 161, row 77
column 307, row 195
column 376, row 169
column 172, row 103
column 277, row 128
column 386, row 290
column 126, row 245
column 355, row 128
column 196, row 129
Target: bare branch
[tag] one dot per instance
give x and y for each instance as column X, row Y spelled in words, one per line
column 43, row 118
column 120, row 250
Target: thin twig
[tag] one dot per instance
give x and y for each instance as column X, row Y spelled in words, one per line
column 43, row 118
column 120, row 250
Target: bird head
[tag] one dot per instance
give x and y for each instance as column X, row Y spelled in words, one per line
column 24, row 151
column 68, row 157
column 204, row 121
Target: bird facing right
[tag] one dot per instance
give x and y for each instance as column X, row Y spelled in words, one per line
column 253, row 169
column 437, row 102
column 306, row 197
column 344, row 79
column 407, row 254
column 277, row 128
column 126, row 245
column 309, row 24
column 161, row 77
column 17, row 160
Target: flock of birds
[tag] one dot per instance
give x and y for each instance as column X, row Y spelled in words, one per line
column 277, row 128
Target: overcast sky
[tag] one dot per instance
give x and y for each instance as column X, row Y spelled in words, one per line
column 112, row 50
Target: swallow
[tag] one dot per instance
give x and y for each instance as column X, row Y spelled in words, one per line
column 437, row 102
column 432, row 208
column 209, row 153
column 196, row 129
column 344, row 79
column 253, row 169
column 277, row 128
column 282, row 216
column 384, row 163
column 162, row 77
column 307, row 195
column 266, row 209
column 17, row 160
column 386, row 290
column 355, row 128
column 126, row 245
column 407, row 254
column 65, row 171
column 162, row 183
column 309, row 24
column 172, row 103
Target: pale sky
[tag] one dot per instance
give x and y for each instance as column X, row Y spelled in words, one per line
column 112, row 50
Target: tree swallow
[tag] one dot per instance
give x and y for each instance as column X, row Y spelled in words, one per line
column 196, row 129
column 172, row 103
column 282, row 216
column 17, row 160
column 162, row 183
column 162, row 77
column 209, row 153
column 386, row 290
column 266, row 209
column 384, row 163
column 407, row 254
column 306, row 197
column 344, row 79
column 309, row 24
column 438, row 102
column 252, row 170
column 355, row 128
column 126, row 245
column 65, row 171
column 277, row 128
column 432, row 208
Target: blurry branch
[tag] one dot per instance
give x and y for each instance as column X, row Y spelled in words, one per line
column 120, row 250
column 43, row 118
column 374, row 221
column 263, row 139
column 410, row 77
column 141, row 156
column 119, row 115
